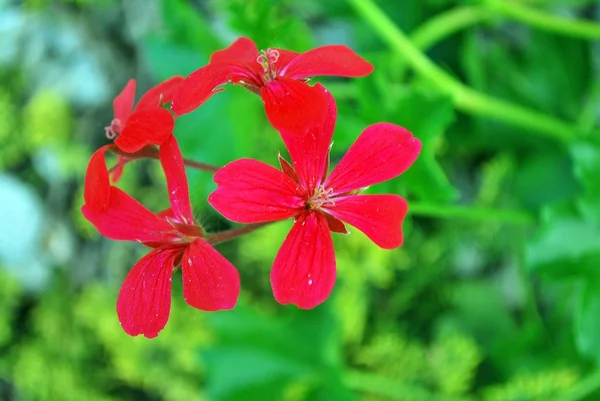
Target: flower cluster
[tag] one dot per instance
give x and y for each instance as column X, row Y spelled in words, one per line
column 248, row 191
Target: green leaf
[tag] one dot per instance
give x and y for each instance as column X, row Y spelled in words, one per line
column 545, row 177
column 182, row 60
column 187, row 27
column 294, row 348
column 427, row 117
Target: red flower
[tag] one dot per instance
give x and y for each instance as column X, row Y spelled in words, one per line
column 278, row 76
column 147, row 124
column 210, row 282
column 250, row 191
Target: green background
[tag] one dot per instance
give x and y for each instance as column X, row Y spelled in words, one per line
column 495, row 294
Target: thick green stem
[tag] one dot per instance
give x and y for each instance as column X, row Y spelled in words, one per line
column 470, row 213
column 544, row 21
column 444, row 25
column 464, row 98
column 151, row 152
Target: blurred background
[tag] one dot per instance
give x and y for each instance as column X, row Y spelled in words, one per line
column 495, row 294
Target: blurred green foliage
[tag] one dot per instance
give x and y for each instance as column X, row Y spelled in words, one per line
column 494, row 296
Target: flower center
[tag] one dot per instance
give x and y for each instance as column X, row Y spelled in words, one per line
column 320, row 198
column 114, row 129
column 267, row 59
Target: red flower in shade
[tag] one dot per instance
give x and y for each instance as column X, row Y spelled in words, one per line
column 251, row 192
column 278, row 76
column 210, row 282
column 148, row 124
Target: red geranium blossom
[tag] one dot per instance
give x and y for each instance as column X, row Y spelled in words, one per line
column 148, row 124
column 210, row 282
column 250, row 191
column 278, row 76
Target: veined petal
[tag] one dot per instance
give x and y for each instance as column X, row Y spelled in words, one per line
column 145, row 127
column 126, row 219
column 250, row 191
column 380, row 217
column 204, row 82
column 294, row 106
column 304, row 273
column 336, row 60
column 243, row 50
column 144, row 302
column 383, row 151
column 123, row 103
column 177, row 184
column 96, row 191
column 159, row 94
column 210, row 282
column 310, row 151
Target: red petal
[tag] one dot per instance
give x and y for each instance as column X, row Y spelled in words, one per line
column 145, row 127
column 304, row 270
column 293, row 106
column 336, row 60
column 159, row 94
column 310, row 151
column 203, row 83
column 144, row 301
column 252, row 192
column 383, row 151
column 177, row 184
column 123, row 103
column 210, row 282
column 285, row 56
column 243, row 50
column 126, row 219
column 96, row 192
column 380, row 217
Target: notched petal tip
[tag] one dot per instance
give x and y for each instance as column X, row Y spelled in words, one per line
column 145, row 127
column 210, row 282
column 304, row 272
column 382, row 151
column 379, row 217
column 144, row 302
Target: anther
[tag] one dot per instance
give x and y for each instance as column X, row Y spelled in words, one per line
column 114, row 129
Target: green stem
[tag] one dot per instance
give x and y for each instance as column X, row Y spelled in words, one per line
column 470, row 213
column 448, row 23
column 464, row 98
column 151, row 152
column 541, row 20
column 582, row 390
column 233, row 233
